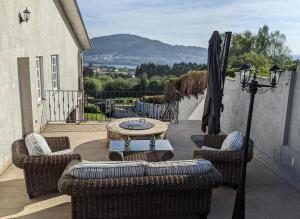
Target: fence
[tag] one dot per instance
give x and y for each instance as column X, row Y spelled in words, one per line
column 76, row 106
column 63, row 105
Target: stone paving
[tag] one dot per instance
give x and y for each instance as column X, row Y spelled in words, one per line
column 268, row 196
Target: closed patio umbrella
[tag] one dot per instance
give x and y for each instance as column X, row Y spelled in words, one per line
column 213, row 100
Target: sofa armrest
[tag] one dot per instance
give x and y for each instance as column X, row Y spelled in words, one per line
column 49, row 161
column 218, row 156
column 213, row 141
column 223, row 156
column 58, row 143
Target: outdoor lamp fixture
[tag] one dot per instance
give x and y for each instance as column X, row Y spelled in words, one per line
column 275, row 73
column 245, row 73
column 252, row 87
column 25, row 16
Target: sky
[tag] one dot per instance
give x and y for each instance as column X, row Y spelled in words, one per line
column 190, row 22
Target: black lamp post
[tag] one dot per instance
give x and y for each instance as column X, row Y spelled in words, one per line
column 252, row 87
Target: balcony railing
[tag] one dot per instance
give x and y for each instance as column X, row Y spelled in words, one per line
column 76, row 106
column 64, row 105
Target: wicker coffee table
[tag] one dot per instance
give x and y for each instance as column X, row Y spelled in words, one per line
column 141, row 150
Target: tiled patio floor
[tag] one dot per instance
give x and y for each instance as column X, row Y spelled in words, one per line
column 268, row 196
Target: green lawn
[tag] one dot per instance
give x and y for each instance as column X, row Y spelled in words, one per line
column 95, row 116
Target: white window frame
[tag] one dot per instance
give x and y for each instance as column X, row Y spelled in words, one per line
column 39, row 77
column 55, row 71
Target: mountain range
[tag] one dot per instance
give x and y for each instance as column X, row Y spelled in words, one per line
column 132, row 50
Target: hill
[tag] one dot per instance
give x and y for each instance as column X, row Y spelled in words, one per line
column 126, row 49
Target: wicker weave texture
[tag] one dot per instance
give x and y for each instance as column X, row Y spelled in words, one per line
column 227, row 162
column 141, row 197
column 41, row 173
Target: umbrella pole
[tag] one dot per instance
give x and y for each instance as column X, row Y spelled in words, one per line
column 239, row 205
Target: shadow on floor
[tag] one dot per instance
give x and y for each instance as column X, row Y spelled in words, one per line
column 49, row 213
column 14, row 197
column 96, row 150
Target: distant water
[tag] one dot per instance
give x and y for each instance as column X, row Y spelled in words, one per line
column 116, row 66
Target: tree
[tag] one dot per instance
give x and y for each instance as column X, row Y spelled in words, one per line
column 92, row 85
column 261, row 50
column 278, row 51
column 263, row 42
column 88, row 71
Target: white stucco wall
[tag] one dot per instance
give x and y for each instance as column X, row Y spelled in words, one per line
column 294, row 134
column 46, row 33
column 275, row 123
column 269, row 113
column 187, row 106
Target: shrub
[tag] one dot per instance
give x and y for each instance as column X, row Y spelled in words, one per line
column 91, row 108
column 194, row 82
column 121, row 84
column 92, row 85
column 158, row 99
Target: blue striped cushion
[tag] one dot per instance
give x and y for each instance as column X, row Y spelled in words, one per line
column 182, row 167
column 37, row 145
column 233, row 142
column 105, row 170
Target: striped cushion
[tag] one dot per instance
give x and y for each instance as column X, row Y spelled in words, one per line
column 67, row 151
column 233, row 142
column 182, row 167
column 206, row 148
column 105, row 170
column 37, row 145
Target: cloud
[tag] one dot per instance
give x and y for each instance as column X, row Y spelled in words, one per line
column 190, row 22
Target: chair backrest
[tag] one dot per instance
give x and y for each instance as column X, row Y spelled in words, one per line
column 19, row 152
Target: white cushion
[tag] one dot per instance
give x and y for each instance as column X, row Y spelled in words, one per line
column 206, row 148
column 104, row 170
column 67, row 151
column 37, row 145
column 181, row 167
column 233, row 142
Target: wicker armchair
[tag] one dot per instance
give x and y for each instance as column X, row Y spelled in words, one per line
column 140, row 197
column 227, row 162
column 42, row 172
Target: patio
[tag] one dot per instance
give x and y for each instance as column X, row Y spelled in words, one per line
column 268, row 196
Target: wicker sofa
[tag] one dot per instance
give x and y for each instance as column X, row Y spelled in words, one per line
column 140, row 197
column 227, row 162
column 41, row 173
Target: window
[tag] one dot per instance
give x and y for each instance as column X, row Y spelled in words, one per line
column 39, row 77
column 55, row 71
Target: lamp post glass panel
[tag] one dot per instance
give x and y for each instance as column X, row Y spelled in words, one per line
column 245, row 73
column 275, row 73
column 251, row 87
column 25, row 16
column 26, row 13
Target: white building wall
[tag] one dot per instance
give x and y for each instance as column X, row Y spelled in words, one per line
column 294, row 134
column 187, row 106
column 46, row 33
column 269, row 113
column 275, row 123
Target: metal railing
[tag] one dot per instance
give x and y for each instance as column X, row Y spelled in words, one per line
column 76, row 106
column 63, row 105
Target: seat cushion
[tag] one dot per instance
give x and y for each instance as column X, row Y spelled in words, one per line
column 233, row 142
column 67, row 151
column 37, row 145
column 107, row 170
column 206, row 148
column 181, row 167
